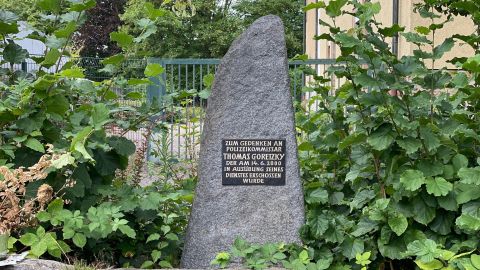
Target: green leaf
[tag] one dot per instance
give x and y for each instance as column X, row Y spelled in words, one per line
column 83, row 6
column 153, row 237
column 448, row 202
column 73, row 73
column 208, row 80
column 459, row 161
column 303, row 256
column 78, row 142
column 410, row 145
column 423, row 213
column 57, row 104
column 67, row 31
column 466, row 192
column 54, row 42
column 391, row 31
column 334, row 8
column 317, row 5
column 306, row 146
column 147, row 264
column 28, row 239
column 352, row 139
column 154, row 13
column 472, row 63
column 14, row 53
column 319, row 226
column 8, row 22
column 153, row 70
column 39, row 248
column 429, row 138
column 422, row 30
column 135, row 81
column 205, row 93
column 318, row 195
column 43, row 216
column 122, row 145
column 361, row 198
column 426, row 250
column 172, row 237
column 475, row 260
column 55, row 206
column 468, row 222
column 63, row 160
column 415, row 38
column 363, row 258
column 108, row 162
column 68, row 233
column 79, row 240
column 441, row 49
column 460, row 80
column 114, row 60
column 398, row 223
column 135, row 95
column 442, row 223
column 438, row 186
column 469, row 175
column 433, row 265
column 151, row 201
column 100, row 115
column 156, row 254
column 364, row 226
column 8, row 17
column 350, row 248
column 35, row 144
column 53, row 6
column 125, row 229
column 412, row 179
column 147, row 27
column 381, row 138
column 123, row 39
column 349, row 41
column 51, row 58
column 165, row 264
column 8, row 28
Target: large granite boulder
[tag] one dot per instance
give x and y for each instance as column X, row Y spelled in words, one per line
column 250, row 100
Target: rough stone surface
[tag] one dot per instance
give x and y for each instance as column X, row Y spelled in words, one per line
column 38, row 265
column 250, row 100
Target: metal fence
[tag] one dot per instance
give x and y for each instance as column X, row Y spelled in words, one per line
column 184, row 122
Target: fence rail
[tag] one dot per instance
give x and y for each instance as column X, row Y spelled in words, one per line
column 185, row 122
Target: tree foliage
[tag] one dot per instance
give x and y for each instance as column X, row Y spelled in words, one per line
column 289, row 10
column 93, row 38
column 206, row 33
column 209, row 31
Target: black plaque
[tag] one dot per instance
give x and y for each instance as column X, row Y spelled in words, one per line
column 253, row 162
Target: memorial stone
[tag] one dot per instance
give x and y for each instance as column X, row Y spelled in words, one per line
column 249, row 184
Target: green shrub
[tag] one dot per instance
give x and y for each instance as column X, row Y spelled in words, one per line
column 133, row 227
column 395, row 175
column 100, row 212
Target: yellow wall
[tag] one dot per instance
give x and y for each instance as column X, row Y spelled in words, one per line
column 407, row 18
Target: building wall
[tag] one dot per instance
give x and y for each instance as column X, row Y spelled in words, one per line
column 327, row 50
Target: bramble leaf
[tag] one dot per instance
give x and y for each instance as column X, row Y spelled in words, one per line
column 123, row 39
column 153, row 70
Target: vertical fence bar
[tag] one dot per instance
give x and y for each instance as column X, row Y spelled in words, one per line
column 172, row 115
column 187, row 123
